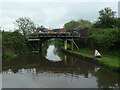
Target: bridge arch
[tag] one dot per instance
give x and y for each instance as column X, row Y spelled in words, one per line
column 36, row 40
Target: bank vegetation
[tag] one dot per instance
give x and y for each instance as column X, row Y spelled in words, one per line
column 103, row 35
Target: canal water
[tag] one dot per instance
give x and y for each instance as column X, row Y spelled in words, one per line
column 55, row 69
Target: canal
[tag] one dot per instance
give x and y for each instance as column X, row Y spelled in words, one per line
column 55, row 69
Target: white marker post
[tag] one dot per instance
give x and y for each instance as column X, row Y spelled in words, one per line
column 97, row 54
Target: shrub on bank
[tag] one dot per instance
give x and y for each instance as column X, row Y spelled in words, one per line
column 105, row 39
column 13, row 43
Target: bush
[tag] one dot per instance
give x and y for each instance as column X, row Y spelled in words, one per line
column 105, row 39
column 13, row 43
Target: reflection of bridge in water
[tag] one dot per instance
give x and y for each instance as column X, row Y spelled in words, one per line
column 68, row 67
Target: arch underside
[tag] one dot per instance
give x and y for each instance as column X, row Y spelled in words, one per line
column 36, row 45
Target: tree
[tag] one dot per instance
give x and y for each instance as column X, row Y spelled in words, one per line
column 106, row 19
column 25, row 25
column 79, row 24
column 106, row 39
column 13, row 43
column 118, row 22
column 71, row 25
column 84, row 24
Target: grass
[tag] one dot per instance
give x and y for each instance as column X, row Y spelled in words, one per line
column 85, row 52
column 108, row 60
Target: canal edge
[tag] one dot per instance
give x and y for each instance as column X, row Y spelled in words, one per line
column 92, row 59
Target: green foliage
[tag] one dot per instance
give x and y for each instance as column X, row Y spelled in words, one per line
column 107, row 13
column 79, row 24
column 84, row 24
column 106, row 39
column 24, row 25
column 118, row 22
column 71, row 25
column 106, row 19
column 13, row 43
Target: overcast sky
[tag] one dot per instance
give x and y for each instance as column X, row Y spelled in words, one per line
column 51, row 14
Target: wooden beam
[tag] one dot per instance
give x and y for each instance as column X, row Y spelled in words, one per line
column 72, row 45
column 75, row 44
column 33, row 39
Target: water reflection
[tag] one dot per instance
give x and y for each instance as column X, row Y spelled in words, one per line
column 70, row 72
column 52, row 54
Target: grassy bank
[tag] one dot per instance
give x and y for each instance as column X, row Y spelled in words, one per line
column 110, row 61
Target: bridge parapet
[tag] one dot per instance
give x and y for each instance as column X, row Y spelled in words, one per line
column 52, row 34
